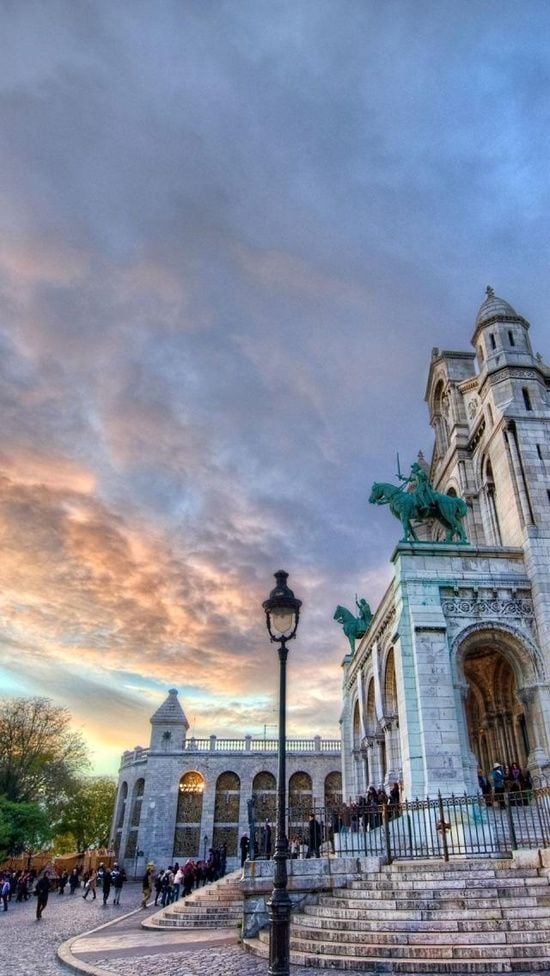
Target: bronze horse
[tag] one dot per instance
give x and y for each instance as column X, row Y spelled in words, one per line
column 447, row 509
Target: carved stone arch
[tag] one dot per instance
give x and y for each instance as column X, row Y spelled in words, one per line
column 523, row 654
column 494, row 664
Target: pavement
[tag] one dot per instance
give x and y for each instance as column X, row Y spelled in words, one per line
column 121, row 947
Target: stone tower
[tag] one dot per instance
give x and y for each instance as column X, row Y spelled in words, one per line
column 169, row 726
column 453, row 672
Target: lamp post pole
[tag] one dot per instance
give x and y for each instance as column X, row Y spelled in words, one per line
column 282, row 613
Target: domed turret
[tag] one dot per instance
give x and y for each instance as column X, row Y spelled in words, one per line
column 500, row 333
column 495, row 309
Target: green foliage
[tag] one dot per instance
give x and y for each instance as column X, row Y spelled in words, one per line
column 88, row 812
column 40, row 755
column 23, row 827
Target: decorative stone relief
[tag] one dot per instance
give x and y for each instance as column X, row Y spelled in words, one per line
column 458, row 607
column 473, row 406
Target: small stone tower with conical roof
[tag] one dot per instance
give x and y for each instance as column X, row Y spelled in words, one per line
column 169, row 725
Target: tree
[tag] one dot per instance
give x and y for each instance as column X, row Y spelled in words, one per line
column 40, row 755
column 88, row 812
column 23, row 827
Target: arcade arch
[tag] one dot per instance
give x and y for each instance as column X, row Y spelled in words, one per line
column 496, row 667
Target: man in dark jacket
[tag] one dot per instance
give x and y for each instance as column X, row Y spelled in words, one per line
column 106, row 885
column 42, row 890
column 244, row 844
column 314, row 836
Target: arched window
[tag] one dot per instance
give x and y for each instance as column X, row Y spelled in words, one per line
column 226, row 812
column 300, row 795
column 121, row 813
column 333, row 793
column 135, row 817
column 189, row 815
column 264, row 792
column 440, row 411
column 490, row 506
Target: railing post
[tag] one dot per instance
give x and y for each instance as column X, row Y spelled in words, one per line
column 513, row 839
column 443, row 827
column 386, row 823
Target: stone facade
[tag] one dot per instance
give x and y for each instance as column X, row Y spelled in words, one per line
column 453, row 672
column 182, row 796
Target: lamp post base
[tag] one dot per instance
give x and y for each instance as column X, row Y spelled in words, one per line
column 279, row 907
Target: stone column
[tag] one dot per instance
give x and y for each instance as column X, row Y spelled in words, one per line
column 390, row 727
column 533, row 699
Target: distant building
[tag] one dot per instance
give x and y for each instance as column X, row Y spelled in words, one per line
column 453, row 671
column 180, row 797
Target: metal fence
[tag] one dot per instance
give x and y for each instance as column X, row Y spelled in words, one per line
column 442, row 827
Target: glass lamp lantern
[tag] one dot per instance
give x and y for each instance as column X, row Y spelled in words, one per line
column 282, row 610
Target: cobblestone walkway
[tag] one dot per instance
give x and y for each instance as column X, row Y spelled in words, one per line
column 226, row 961
column 29, row 946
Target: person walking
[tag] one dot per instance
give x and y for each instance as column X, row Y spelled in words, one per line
column 42, row 890
column 118, row 877
column 146, row 886
column 74, row 881
column 106, row 885
column 5, row 891
column 158, row 885
column 91, row 885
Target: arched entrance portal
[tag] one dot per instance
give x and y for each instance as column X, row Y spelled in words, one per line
column 495, row 716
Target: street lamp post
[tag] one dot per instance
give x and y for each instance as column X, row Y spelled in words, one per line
column 282, row 611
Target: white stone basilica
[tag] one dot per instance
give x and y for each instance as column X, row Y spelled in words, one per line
column 453, row 672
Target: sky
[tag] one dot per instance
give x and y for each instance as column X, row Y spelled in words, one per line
column 232, row 233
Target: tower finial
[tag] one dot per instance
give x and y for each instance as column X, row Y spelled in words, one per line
column 489, row 291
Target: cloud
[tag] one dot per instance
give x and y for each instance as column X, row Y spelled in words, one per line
column 229, row 244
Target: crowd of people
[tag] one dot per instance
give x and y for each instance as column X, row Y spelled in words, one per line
column 177, row 881
column 20, row 886
column 504, row 779
column 367, row 812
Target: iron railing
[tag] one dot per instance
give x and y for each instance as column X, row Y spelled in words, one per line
column 441, row 827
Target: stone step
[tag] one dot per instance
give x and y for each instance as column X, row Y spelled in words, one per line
column 435, row 903
column 419, row 914
column 386, row 874
column 443, row 953
column 531, row 888
column 458, row 924
column 489, row 881
column 362, row 939
column 380, row 964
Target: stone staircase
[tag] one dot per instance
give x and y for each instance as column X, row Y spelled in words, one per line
column 216, row 905
column 418, row 917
